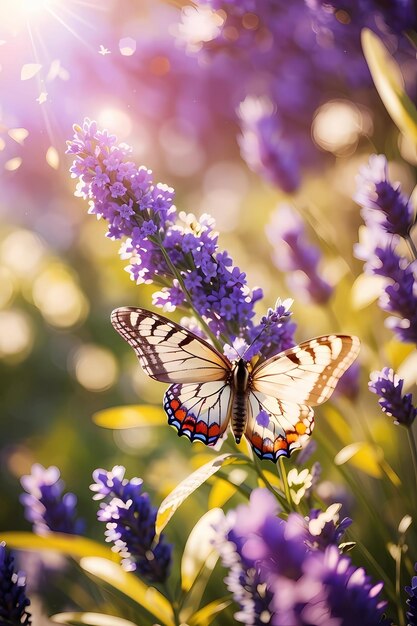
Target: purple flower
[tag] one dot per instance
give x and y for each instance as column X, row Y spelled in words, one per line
column 130, row 524
column 160, row 245
column 295, row 255
column 264, row 147
column 389, row 387
column 13, row 600
column 412, row 601
column 274, row 333
column 398, row 14
column 382, row 202
column 282, row 59
column 388, row 217
column 46, row 506
column 291, row 572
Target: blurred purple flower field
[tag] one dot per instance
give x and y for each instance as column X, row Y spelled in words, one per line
column 282, row 238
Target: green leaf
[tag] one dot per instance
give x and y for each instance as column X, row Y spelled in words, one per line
column 90, row 619
column 189, row 485
column 70, row 545
column 133, row 416
column 208, row 613
column 389, row 83
column 198, row 550
column 126, row 582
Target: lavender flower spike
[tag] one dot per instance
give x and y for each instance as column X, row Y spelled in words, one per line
column 389, row 388
column 130, row 523
column 382, row 202
column 178, row 252
column 46, row 506
column 13, row 600
column 295, row 255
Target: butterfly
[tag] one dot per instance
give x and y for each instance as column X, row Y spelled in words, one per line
column 269, row 402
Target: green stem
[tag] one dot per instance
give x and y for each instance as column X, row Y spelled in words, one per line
column 413, row 450
column 173, row 603
column 388, row 586
column 411, row 246
column 280, row 496
column 401, row 621
column 284, row 479
column 357, row 490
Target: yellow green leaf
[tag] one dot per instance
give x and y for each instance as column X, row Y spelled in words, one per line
column 198, row 550
column 366, row 289
column 90, row 619
column 389, row 83
column 70, row 545
column 134, row 416
column 126, row 582
column 337, row 423
column 220, row 493
column 208, row 613
column 188, row 486
column 362, row 455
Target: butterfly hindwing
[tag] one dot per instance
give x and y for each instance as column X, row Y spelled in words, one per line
column 200, row 411
column 276, row 428
column 166, row 351
column 307, row 373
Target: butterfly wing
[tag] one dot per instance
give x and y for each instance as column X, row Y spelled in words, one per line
column 307, row 373
column 166, row 351
column 200, row 411
column 276, row 428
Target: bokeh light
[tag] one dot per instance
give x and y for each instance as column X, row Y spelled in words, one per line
column 94, row 367
column 56, row 294
column 16, row 335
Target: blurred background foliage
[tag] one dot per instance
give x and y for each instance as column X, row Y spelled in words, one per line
column 60, row 361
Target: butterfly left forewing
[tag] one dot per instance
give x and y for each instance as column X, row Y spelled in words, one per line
column 307, row 373
column 200, row 411
column 166, row 351
column 276, row 428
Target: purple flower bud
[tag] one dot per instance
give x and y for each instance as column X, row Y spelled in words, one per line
column 46, row 506
column 130, row 524
column 388, row 386
column 382, row 202
column 295, row 255
column 13, row 600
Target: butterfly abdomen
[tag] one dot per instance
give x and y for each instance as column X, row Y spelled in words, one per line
column 240, row 384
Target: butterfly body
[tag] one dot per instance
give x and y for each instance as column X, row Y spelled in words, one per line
column 269, row 402
column 241, row 381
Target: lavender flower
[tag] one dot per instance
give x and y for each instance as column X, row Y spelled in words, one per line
column 294, row 254
column 13, row 600
column 160, row 245
column 46, row 506
column 398, row 15
column 388, row 217
column 282, row 59
column 130, row 523
column 277, row 577
column 388, row 386
column 382, row 202
column 412, row 601
column 263, row 146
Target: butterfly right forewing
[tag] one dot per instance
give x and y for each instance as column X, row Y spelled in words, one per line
column 276, row 428
column 166, row 351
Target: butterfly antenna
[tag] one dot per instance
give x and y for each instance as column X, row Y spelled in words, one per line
column 267, row 324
